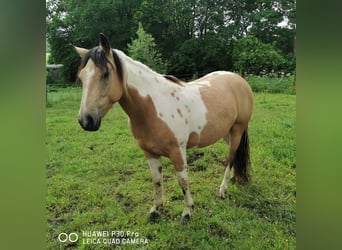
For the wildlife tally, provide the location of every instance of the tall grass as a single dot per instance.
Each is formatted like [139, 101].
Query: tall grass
[269, 84]
[101, 181]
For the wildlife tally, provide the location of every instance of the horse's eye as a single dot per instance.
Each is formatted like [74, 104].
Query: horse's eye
[105, 75]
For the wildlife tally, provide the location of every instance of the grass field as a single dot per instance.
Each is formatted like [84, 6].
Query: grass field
[101, 182]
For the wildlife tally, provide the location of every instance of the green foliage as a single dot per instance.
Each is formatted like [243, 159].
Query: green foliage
[143, 49]
[186, 59]
[269, 84]
[253, 56]
[101, 181]
[194, 37]
[290, 62]
[200, 56]
[71, 22]
[48, 78]
[61, 51]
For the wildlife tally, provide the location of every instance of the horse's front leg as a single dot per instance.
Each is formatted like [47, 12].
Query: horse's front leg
[157, 178]
[179, 161]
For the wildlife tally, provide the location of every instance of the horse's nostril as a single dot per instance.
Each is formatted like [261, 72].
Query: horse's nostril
[89, 123]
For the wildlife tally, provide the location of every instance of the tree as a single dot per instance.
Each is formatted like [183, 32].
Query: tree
[143, 49]
[253, 56]
[174, 22]
[194, 36]
[200, 56]
[58, 36]
[80, 22]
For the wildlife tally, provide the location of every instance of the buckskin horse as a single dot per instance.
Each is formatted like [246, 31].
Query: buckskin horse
[167, 115]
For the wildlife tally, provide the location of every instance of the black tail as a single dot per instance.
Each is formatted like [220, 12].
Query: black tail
[241, 162]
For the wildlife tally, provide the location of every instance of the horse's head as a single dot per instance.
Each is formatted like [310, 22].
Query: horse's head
[102, 85]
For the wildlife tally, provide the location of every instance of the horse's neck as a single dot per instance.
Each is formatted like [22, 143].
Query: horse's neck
[140, 77]
[141, 85]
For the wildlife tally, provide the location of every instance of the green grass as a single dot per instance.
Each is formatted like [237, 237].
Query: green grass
[266, 84]
[101, 181]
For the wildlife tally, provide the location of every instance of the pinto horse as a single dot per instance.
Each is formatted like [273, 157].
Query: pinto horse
[166, 115]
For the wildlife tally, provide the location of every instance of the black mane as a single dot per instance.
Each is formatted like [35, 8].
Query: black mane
[98, 55]
[174, 79]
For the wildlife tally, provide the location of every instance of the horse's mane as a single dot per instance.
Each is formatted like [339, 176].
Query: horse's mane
[98, 55]
[174, 79]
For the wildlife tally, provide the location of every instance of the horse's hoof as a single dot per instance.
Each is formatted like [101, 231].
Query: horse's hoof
[154, 216]
[185, 219]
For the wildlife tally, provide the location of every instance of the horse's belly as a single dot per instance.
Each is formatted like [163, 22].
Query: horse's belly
[215, 128]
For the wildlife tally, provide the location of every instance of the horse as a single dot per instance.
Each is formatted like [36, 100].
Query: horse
[166, 115]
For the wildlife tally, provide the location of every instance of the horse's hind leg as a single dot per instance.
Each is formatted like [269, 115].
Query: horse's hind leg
[226, 175]
[157, 178]
[233, 138]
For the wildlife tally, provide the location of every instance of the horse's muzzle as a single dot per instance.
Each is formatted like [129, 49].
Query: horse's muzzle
[90, 123]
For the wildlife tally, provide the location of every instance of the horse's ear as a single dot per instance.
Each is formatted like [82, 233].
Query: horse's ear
[82, 52]
[104, 43]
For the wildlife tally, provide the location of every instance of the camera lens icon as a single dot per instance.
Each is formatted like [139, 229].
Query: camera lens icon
[64, 237]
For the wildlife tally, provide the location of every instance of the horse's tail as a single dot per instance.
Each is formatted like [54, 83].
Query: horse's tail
[241, 162]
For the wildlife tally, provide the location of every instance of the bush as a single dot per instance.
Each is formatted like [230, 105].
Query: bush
[49, 79]
[252, 56]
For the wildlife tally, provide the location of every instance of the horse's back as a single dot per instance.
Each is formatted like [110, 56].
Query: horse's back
[227, 90]
[228, 81]
[228, 99]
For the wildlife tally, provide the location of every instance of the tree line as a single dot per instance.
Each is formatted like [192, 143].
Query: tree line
[191, 37]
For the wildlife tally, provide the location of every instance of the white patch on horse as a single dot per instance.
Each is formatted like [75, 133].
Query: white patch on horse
[204, 83]
[86, 82]
[181, 108]
[221, 73]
